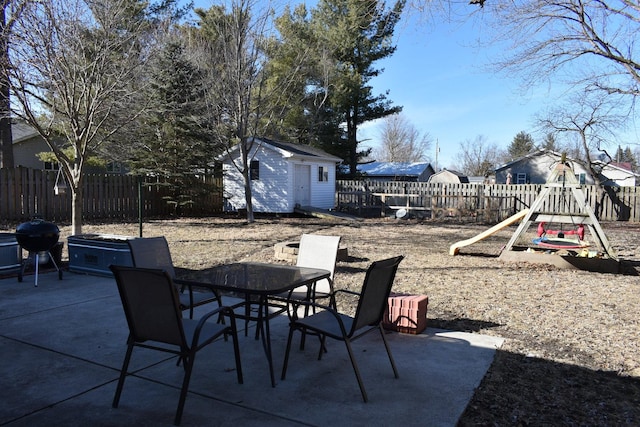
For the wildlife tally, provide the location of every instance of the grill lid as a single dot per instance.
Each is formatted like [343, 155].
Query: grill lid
[37, 235]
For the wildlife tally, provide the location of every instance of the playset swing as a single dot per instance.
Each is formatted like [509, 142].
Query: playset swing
[560, 238]
[555, 239]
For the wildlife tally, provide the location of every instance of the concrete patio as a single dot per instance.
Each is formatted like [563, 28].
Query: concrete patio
[62, 344]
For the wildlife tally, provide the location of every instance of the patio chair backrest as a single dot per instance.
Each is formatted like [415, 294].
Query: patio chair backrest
[152, 252]
[151, 306]
[318, 251]
[375, 293]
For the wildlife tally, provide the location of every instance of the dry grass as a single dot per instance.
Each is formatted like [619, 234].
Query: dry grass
[572, 349]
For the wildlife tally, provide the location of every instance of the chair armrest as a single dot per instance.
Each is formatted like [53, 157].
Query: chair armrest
[351, 295]
[313, 304]
[190, 284]
[227, 311]
[185, 283]
[331, 310]
[345, 291]
[331, 296]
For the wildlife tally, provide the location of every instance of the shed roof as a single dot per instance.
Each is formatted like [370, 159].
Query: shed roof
[461, 177]
[289, 149]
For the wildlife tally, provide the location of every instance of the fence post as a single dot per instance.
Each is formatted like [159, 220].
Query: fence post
[140, 203]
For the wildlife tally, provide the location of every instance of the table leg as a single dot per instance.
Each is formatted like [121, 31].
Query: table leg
[263, 319]
[247, 313]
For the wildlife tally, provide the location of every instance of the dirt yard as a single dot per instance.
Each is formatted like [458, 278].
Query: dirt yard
[572, 349]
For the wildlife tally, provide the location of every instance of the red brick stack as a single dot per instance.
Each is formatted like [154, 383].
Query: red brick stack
[406, 313]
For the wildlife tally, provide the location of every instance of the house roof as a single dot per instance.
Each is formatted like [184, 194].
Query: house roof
[393, 168]
[20, 131]
[622, 165]
[538, 153]
[618, 167]
[528, 156]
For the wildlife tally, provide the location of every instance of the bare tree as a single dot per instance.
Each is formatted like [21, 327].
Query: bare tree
[478, 157]
[400, 141]
[589, 43]
[243, 102]
[591, 120]
[236, 37]
[74, 66]
[592, 43]
[581, 43]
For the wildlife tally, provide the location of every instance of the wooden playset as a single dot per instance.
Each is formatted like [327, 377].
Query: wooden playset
[563, 218]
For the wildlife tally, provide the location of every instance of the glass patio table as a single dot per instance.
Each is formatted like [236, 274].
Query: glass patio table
[258, 281]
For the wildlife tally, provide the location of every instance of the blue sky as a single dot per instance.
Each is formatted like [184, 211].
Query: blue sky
[443, 84]
[446, 89]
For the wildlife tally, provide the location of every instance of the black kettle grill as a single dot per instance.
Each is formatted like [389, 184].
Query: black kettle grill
[37, 236]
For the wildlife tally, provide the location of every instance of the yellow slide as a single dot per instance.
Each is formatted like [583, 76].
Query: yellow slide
[455, 248]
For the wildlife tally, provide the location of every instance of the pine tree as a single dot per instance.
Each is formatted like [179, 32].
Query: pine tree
[550, 142]
[177, 139]
[521, 145]
[344, 39]
[359, 33]
[629, 157]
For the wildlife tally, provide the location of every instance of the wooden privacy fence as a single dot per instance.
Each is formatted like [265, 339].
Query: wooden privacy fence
[27, 193]
[488, 202]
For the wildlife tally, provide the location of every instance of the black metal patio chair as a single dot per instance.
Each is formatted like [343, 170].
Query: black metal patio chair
[368, 317]
[151, 306]
[153, 252]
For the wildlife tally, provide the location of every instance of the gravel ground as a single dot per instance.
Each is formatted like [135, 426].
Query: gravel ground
[571, 355]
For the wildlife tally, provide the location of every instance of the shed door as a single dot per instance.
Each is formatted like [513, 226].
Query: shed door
[302, 185]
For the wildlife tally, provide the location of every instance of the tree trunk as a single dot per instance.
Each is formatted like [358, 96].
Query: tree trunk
[6, 136]
[6, 140]
[246, 175]
[76, 203]
[352, 143]
[248, 196]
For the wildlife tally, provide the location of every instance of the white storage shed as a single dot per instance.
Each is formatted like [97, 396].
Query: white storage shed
[283, 176]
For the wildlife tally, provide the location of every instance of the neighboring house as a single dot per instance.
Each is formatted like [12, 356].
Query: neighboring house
[397, 171]
[619, 174]
[449, 176]
[535, 167]
[27, 143]
[283, 176]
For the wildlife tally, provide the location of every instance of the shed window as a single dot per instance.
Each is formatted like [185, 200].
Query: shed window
[323, 174]
[521, 178]
[582, 178]
[254, 170]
